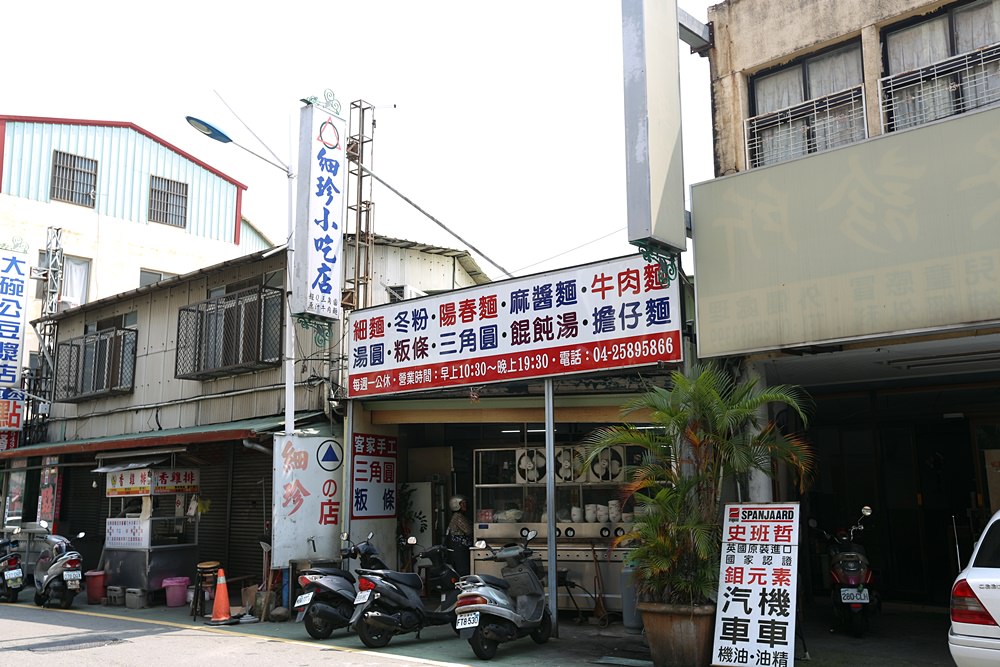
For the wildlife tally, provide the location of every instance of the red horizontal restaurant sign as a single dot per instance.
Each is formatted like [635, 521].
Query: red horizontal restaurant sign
[614, 314]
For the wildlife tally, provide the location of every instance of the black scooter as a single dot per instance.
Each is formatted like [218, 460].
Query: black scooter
[12, 579]
[327, 601]
[388, 602]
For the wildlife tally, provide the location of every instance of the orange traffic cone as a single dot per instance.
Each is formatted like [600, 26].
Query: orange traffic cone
[221, 614]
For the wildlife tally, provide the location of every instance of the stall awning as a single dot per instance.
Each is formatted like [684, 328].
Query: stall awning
[130, 465]
[247, 428]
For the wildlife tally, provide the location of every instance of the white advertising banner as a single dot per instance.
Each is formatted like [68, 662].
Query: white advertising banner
[758, 582]
[14, 268]
[612, 314]
[306, 508]
[373, 478]
[127, 533]
[317, 271]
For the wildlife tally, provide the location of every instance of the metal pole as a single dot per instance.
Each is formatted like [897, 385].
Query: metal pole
[550, 505]
[290, 324]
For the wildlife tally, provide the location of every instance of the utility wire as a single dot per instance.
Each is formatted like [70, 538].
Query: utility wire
[584, 245]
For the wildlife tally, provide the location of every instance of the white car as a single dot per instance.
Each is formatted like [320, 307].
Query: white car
[974, 638]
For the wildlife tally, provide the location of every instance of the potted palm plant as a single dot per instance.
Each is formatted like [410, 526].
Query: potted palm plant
[709, 433]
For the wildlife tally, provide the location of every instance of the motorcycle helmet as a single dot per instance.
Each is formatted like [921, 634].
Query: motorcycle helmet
[455, 503]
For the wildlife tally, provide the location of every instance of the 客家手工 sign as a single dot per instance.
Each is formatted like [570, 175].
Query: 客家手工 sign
[755, 612]
[612, 314]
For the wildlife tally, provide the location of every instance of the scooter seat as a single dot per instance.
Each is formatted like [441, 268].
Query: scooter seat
[330, 572]
[489, 580]
[405, 578]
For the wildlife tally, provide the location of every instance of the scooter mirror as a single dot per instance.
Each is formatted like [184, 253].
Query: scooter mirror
[372, 534]
[411, 540]
[81, 535]
[813, 523]
[866, 511]
[17, 530]
[480, 544]
[343, 537]
[530, 535]
[44, 524]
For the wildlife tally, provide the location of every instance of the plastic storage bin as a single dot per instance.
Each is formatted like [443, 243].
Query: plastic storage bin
[95, 586]
[176, 588]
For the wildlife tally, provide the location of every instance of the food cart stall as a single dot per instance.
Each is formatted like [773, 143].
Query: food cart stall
[509, 487]
[152, 526]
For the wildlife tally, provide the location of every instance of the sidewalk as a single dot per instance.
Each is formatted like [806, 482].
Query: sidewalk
[900, 636]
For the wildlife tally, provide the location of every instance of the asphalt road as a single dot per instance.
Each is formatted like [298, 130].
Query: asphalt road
[32, 636]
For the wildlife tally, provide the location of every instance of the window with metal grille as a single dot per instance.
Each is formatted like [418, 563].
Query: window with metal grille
[941, 65]
[74, 179]
[812, 105]
[230, 334]
[95, 365]
[168, 201]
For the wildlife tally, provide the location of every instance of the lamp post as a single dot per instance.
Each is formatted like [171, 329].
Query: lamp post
[215, 133]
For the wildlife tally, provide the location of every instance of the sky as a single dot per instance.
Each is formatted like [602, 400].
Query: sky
[503, 120]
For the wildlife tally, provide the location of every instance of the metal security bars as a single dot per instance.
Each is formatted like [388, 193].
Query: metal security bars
[810, 127]
[95, 365]
[74, 179]
[231, 334]
[168, 201]
[945, 88]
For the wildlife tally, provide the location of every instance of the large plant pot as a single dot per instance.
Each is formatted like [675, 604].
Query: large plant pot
[679, 635]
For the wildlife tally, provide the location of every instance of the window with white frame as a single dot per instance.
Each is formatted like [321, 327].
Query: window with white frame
[942, 65]
[168, 201]
[74, 179]
[148, 276]
[811, 105]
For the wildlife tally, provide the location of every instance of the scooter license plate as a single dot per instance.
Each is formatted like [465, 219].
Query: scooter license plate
[854, 596]
[13, 574]
[70, 575]
[73, 584]
[362, 597]
[470, 620]
[303, 600]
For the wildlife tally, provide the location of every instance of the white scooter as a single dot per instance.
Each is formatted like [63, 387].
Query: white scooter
[58, 571]
[492, 610]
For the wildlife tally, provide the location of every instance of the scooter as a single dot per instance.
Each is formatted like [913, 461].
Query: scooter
[58, 571]
[852, 596]
[492, 610]
[12, 580]
[327, 601]
[388, 602]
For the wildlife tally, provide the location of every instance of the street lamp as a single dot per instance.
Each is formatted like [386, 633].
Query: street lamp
[215, 133]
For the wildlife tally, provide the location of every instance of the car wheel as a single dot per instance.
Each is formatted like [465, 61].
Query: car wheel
[484, 648]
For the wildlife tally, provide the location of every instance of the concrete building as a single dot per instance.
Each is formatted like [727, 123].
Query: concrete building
[187, 373]
[132, 208]
[850, 244]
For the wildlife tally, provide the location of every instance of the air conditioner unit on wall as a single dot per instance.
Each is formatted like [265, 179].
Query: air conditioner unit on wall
[403, 292]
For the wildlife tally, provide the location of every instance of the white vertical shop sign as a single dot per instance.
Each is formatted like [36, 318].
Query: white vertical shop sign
[307, 498]
[318, 269]
[758, 582]
[373, 477]
[14, 268]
